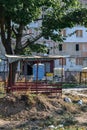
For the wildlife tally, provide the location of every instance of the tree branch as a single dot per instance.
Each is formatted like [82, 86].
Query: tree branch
[19, 36]
[2, 25]
[3, 38]
[30, 41]
[14, 30]
[9, 30]
[36, 38]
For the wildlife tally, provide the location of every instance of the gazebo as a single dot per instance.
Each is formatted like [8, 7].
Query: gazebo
[37, 86]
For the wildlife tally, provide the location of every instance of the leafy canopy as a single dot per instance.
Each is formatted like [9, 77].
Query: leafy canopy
[52, 15]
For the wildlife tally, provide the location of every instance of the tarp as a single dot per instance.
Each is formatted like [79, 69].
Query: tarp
[12, 58]
[84, 69]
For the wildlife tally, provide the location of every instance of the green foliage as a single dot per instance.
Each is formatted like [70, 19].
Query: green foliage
[57, 15]
[69, 85]
[69, 120]
[50, 120]
[55, 18]
[21, 11]
[39, 48]
[80, 17]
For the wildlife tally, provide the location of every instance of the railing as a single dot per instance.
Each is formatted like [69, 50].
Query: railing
[37, 87]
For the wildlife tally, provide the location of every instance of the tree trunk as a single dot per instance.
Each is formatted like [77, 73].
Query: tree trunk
[12, 75]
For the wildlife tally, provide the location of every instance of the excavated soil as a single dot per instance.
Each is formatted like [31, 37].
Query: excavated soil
[37, 112]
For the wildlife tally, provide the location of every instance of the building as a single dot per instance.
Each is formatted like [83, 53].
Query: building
[83, 1]
[75, 46]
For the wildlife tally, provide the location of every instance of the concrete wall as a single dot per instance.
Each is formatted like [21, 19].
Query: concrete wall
[73, 38]
[2, 50]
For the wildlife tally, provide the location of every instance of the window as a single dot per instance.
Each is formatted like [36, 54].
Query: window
[85, 62]
[79, 61]
[48, 51]
[77, 47]
[62, 62]
[60, 47]
[79, 33]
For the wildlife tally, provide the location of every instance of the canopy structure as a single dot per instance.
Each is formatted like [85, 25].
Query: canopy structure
[12, 58]
[36, 85]
[84, 69]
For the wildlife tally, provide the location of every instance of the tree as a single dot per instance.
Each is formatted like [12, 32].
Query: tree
[16, 15]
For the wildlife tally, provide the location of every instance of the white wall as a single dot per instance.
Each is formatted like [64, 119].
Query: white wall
[70, 65]
[2, 49]
[73, 38]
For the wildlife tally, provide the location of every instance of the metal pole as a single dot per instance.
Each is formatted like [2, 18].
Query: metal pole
[62, 71]
[36, 77]
[11, 77]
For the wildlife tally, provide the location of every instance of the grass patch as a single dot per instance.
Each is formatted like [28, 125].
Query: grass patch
[2, 90]
[69, 85]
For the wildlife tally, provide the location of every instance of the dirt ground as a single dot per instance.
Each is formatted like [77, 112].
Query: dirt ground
[38, 112]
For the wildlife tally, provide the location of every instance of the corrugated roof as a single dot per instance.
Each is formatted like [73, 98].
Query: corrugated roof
[13, 58]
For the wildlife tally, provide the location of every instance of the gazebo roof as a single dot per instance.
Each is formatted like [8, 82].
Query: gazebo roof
[12, 58]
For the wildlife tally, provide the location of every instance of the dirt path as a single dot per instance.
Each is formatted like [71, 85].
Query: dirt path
[82, 118]
[76, 91]
[3, 122]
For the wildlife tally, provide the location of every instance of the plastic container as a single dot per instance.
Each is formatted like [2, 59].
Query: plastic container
[58, 72]
[38, 73]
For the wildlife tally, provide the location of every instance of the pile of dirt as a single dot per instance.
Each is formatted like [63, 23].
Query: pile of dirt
[11, 105]
[36, 112]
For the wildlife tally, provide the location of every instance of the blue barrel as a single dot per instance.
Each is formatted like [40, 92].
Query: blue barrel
[40, 70]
